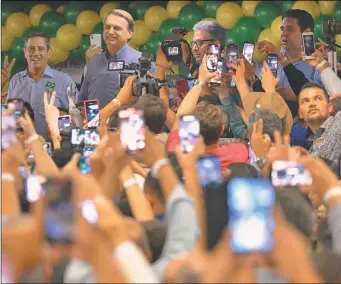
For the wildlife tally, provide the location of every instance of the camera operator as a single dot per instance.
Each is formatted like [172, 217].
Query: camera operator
[100, 83]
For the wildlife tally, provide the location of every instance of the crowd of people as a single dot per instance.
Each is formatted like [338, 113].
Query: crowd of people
[256, 198]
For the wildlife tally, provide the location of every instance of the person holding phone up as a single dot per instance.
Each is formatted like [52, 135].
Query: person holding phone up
[30, 84]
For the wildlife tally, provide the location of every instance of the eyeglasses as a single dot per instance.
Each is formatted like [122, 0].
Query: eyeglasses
[199, 42]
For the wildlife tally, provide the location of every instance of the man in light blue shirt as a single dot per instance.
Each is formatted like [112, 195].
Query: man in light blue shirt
[30, 84]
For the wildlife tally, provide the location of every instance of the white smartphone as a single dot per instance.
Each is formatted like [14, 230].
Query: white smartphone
[96, 39]
[308, 44]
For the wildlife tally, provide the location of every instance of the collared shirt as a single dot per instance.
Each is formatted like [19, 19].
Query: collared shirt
[101, 84]
[24, 87]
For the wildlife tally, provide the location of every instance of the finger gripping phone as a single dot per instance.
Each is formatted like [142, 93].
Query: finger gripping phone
[272, 61]
[189, 132]
[308, 44]
[91, 108]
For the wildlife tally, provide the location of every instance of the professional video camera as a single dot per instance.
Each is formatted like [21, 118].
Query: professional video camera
[172, 47]
[331, 28]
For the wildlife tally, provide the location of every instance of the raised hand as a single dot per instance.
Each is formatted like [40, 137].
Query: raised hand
[318, 55]
[51, 113]
[280, 149]
[267, 47]
[239, 74]
[269, 82]
[204, 74]
[91, 52]
[260, 143]
[6, 71]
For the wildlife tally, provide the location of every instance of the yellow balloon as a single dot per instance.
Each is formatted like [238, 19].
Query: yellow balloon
[258, 56]
[200, 3]
[17, 23]
[86, 21]
[107, 7]
[304, 5]
[6, 39]
[189, 36]
[154, 17]
[141, 33]
[174, 7]
[267, 35]
[316, 9]
[228, 14]
[276, 27]
[60, 9]
[68, 37]
[136, 47]
[58, 54]
[327, 7]
[37, 11]
[249, 7]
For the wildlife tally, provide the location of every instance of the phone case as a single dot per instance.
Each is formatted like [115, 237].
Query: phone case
[96, 39]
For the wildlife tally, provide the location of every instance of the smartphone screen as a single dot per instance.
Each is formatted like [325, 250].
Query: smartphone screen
[116, 65]
[189, 131]
[48, 147]
[64, 121]
[216, 81]
[290, 173]
[8, 129]
[308, 44]
[212, 57]
[19, 107]
[96, 39]
[59, 216]
[88, 151]
[248, 49]
[132, 130]
[250, 205]
[232, 54]
[272, 61]
[89, 211]
[77, 136]
[91, 137]
[34, 188]
[209, 171]
[84, 165]
[91, 110]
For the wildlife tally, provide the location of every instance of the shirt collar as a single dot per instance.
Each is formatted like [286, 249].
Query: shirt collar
[48, 72]
[119, 54]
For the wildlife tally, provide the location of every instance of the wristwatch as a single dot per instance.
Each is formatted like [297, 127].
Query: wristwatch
[198, 83]
[161, 83]
[261, 163]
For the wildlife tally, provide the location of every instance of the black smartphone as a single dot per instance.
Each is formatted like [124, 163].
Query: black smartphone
[216, 82]
[212, 57]
[308, 44]
[248, 49]
[189, 132]
[272, 61]
[64, 121]
[209, 172]
[91, 108]
[231, 53]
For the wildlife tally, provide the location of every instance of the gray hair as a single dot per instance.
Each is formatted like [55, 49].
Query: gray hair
[216, 31]
[271, 122]
[123, 14]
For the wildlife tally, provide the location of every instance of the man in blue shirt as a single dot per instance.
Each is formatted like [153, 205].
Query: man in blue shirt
[30, 84]
[99, 82]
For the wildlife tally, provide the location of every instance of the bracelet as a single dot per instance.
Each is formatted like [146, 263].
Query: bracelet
[199, 83]
[31, 139]
[129, 182]
[157, 166]
[334, 191]
[321, 64]
[7, 177]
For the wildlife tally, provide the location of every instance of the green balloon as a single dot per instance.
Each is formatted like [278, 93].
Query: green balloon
[191, 14]
[143, 48]
[18, 49]
[30, 30]
[84, 44]
[231, 37]
[77, 55]
[50, 22]
[141, 8]
[247, 29]
[318, 33]
[72, 10]
[265, 13]
[7, 8]
[210, 8]
[94, 5]
[337, 12]
[286, 5]
[153, 43]
[167, 26]
[3, 54]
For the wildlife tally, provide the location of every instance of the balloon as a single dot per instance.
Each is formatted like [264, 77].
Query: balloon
[327, 7]
[84, 45]
[18, 49]
[58, 54]
[36, 13]
[265, 13]
[50, 22]
[303, 5]
[276, 27]
[267, 35]
[231, 37]
[318, 32]
[190, 15]
[316, 9]
[26, 6]
[107, 7]
[7, 8]
[154, 17]
[210, 8]
[174, 7]
[143, 48]
[286, 5]
[167, 26]
[17, 24]
[141, 33]
[72, 10]
[249, 7]
[247, 29]
[153, 43]
[200, 3]
[95, 6]
[258, 56]
[337, 12]
[189, 36]
[77, 55]
[86, 21]
[141, 9]
[68, 37]
[6, 39]
[30, 31]
[60, 9]
[228, 14]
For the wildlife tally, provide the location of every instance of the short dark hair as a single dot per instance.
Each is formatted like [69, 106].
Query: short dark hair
[336, 102]
[314, 85]
[154, 185]
[154, 111]
[39, 34]
[271, 122]
[304, 19]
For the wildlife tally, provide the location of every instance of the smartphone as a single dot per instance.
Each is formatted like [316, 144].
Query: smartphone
[182, 88]
[3, 107]
[88, 151]
[18, 106]
[308, 44]
[272, 61]
[64, 121]
[84, 165]
[189, 132]
[77, 136]
[216, 81]
[91, 137]
[48, 147]
[96, 39]
[34, 188]
[290, 173]
[231, 53]
[209, 172]
[212, 57]
[132, 130]
[91, 108]
[248, 49]
[59, 213]
[8, 129]
[251, 222]
[89, 211]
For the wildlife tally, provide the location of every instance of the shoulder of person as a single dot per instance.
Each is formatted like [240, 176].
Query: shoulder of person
[235, 146]
[131, 52]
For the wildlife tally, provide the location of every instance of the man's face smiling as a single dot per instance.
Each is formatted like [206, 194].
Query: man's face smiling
[36, 53]
[116, 30]
[200, 48]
